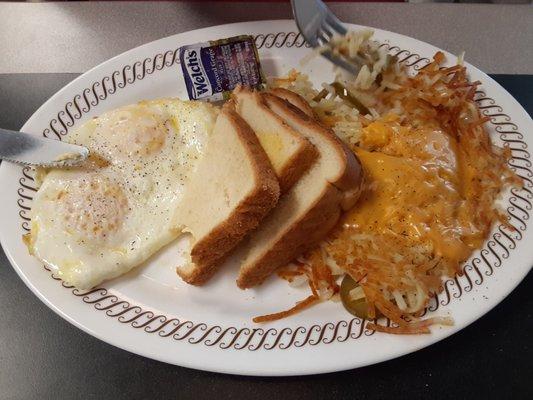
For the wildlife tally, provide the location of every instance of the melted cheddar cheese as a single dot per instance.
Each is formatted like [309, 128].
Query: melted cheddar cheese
[413, 188]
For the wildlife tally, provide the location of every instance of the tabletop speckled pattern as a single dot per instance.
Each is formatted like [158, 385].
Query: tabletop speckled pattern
[73, 37]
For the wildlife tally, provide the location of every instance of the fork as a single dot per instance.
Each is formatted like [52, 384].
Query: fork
[318, 25]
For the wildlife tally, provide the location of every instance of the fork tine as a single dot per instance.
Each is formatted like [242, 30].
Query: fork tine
[319, 25]
[321, 41]
[322, 38]
[341, 62]
[326, 29]
[335, 24]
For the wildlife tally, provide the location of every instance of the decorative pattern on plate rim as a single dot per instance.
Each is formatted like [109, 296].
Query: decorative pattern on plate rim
[475, 272]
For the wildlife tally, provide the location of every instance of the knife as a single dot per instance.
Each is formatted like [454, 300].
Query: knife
[26, 149]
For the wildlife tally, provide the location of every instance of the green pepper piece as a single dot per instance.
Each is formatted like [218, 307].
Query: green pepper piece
[359, 307]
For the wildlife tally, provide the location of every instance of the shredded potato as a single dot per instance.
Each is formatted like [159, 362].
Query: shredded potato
[309, 301]
[435, 232]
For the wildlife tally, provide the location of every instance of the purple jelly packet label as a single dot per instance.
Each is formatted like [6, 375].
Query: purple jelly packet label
[213, 69]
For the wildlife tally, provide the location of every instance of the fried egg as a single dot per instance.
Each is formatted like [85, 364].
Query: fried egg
[98, 221]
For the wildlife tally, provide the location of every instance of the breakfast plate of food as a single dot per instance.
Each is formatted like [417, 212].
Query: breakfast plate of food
[246, 208]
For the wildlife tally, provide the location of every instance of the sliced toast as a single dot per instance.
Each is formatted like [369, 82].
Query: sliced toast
[291, 154]
[311, 208]
[232, 190]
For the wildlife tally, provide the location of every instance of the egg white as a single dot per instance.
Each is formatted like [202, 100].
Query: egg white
[100, 220]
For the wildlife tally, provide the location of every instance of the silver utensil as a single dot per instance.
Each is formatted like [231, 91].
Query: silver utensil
[318, 25]
[26, 149]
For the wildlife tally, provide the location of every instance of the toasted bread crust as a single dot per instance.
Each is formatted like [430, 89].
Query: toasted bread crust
[351, 178]
[300, 161]
[301, 236]
[208, 253]
[296, 100]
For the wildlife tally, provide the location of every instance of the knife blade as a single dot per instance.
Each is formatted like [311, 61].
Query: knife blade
[33, 150]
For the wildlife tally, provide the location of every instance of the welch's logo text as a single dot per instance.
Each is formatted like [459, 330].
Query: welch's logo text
[195, 70]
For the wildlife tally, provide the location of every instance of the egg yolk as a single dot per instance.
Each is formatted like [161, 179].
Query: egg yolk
[130, 132]
[95, 207]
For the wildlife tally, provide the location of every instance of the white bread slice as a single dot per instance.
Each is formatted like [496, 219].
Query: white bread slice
[291, 154]
[306, 214]
[232, 190]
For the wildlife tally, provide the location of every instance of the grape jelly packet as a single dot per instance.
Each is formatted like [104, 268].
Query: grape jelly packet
[213, 69]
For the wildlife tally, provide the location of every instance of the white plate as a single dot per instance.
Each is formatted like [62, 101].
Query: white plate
[153, 313]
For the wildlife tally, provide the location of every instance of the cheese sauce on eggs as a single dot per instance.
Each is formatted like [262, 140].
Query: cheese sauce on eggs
[98, 221]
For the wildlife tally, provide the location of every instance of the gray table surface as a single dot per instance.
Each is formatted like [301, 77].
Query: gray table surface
[44, 357]
[73, 37]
